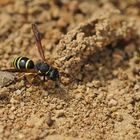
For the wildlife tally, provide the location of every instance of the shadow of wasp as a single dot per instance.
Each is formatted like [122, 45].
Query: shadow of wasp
[26, 65]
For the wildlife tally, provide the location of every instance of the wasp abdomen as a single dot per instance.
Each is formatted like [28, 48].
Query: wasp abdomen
[23, 63]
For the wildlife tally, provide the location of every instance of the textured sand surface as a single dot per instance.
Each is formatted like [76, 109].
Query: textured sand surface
[96, 47]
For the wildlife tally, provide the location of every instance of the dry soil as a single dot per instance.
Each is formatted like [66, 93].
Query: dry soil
[95, 45]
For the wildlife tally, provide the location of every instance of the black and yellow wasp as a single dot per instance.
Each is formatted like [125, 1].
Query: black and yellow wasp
[26, 65]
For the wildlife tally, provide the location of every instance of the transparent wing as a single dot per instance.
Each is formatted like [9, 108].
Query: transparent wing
[38, 41]
[20, 71]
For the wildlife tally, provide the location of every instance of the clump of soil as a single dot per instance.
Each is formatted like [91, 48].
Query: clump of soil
[95, 45]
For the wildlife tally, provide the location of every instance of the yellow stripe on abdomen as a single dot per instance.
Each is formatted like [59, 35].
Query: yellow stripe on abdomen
[18, 63]
[26, 65]
[14, 62]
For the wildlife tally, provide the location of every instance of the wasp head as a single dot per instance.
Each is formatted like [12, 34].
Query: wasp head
[54, 74]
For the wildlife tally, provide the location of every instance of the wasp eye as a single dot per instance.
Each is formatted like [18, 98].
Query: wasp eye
[54, 74]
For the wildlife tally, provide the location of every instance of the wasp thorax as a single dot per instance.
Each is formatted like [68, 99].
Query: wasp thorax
[42, 68]
[45, 70]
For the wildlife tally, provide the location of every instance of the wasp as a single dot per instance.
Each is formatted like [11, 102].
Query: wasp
[26, 65]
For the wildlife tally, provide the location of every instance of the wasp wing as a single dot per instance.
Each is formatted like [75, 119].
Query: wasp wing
[20, 71]
[38, 41]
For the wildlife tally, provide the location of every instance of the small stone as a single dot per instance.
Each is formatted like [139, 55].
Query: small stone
[96, 84]
[79, 96]
[79, 76]
[35, 121]
[11, 116]
[112, 102]
[80, 36]
[18, 91]
[1, 129]
[60, 113]
[89, 84]
[137, 87]
[137, 96]
[6, 78]
[60, 106]
[20, 136]
[136, 71]
[49, 119]
[13, 108]
[13, 100]
[129, 49]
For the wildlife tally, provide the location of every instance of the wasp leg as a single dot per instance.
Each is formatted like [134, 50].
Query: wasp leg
[23, 77]
[26, 82]
[44, 79]
[29, 79]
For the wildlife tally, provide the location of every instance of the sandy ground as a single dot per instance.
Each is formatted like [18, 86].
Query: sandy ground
[95, 45]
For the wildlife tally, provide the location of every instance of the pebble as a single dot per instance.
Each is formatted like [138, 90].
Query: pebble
[112, 102]
[60, 113]
[18, 91]
[136, 71]
[137, 96]
[35, 121]
[60, 106]
[11, 116]
[80, 36]
[20, 136]
[6, 78]
[137, 87]
[89, 84]
[79, 96]
[96, 84]
[49, 120]
[12, 100]
[1, 129]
